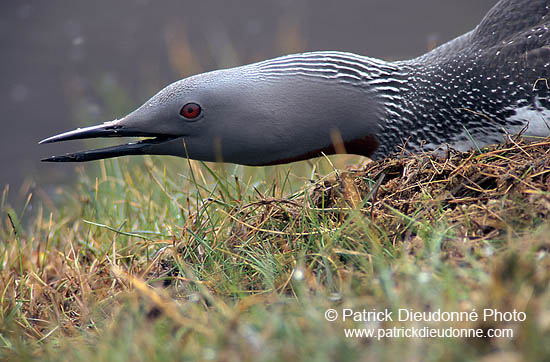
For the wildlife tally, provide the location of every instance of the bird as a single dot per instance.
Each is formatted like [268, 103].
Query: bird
[470, 92]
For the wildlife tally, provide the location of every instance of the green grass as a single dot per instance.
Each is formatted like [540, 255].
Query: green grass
[162, 260]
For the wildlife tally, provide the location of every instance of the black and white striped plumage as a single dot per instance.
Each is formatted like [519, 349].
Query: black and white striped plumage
[474, 89]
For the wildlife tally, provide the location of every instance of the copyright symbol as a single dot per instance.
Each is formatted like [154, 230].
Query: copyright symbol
[331, 315]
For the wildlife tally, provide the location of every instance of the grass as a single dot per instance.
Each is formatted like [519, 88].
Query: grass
[157, 259]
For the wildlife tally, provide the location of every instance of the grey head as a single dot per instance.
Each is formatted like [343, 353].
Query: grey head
[473, 90]
[278, 111]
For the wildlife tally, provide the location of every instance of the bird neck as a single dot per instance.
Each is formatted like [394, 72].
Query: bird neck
[329, 93]
[453, 95]
[397, 96]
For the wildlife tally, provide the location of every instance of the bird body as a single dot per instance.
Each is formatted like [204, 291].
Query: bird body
[467, 93]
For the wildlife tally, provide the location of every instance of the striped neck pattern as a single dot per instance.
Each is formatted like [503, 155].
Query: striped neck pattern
[461, 100]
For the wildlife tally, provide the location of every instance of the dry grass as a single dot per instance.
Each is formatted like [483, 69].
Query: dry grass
[148, 265]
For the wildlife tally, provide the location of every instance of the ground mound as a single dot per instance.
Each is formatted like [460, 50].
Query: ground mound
[485, 194]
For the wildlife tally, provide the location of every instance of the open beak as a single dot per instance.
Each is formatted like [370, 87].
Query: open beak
[107, 129]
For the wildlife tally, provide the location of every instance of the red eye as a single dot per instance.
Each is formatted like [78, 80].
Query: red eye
[190, 110]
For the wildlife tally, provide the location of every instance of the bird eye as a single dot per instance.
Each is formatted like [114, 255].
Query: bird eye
[190, 110]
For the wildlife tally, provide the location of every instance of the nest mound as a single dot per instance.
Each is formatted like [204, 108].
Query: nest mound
[505, 188]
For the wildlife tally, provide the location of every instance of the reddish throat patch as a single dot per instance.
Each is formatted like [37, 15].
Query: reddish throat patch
[364, 146]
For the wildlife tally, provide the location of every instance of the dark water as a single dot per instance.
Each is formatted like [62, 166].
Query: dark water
[73, 63]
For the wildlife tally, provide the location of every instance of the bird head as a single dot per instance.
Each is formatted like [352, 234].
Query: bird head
[256, 114]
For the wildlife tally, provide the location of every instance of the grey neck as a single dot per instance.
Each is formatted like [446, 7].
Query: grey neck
[461, 99]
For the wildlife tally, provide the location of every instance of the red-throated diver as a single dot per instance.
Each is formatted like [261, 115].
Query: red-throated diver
[470, 91]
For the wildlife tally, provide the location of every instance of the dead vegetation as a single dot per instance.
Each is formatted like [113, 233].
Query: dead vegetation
[483, 195]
